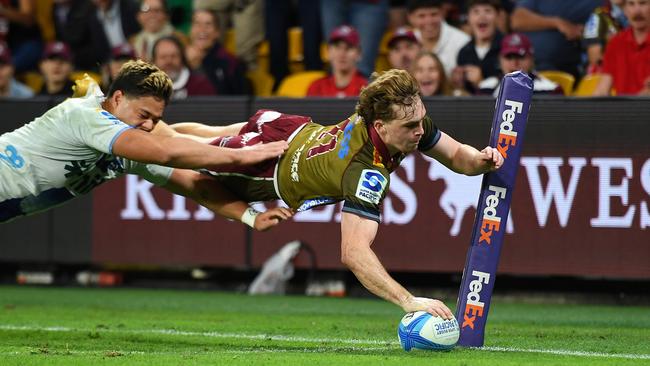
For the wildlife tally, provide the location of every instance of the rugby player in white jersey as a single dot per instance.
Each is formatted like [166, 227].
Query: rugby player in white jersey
[83, 142]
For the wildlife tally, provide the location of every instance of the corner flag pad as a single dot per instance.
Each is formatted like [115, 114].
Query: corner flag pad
[508, 127]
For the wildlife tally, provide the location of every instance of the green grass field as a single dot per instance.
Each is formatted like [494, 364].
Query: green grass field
[73, 326]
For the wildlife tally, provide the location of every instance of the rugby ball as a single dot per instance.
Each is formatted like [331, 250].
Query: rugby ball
[421, 330]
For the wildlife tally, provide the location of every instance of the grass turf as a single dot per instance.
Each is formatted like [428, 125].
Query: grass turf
[74, 326]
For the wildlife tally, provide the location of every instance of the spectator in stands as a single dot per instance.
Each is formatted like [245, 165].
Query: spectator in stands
[10, 87]
[277, 16]
[555, 28]
[119, 56]
[247, 20]
[154, 20]
[345, 79]
[93, 28]
[168, 55]
[427, 17]
[626, 65]
[56, 69]
[602, 25]
[205, 52]
[19, 29]
[403, 47]
[479, 59]
[368, 17]
[430, 74]
[517, 54]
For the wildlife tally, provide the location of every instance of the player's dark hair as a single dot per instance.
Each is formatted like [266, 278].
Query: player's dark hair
[392, 87]
[413, 5]
[496, 4]
[140, 79]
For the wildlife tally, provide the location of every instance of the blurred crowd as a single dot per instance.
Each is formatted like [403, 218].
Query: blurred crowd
[328, 48]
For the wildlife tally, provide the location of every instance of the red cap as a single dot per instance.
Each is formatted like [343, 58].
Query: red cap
[57, 50]
[346, 34]
[5, 53]
[123, 51]
[517, 44]
[402, 33]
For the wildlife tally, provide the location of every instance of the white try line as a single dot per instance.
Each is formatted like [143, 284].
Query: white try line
[281, 338]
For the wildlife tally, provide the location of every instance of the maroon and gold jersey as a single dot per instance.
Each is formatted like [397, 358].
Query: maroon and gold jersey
[323, 165]
[348, 161]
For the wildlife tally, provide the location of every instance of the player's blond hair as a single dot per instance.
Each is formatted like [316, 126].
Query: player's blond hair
[392, 87]
[138, 78]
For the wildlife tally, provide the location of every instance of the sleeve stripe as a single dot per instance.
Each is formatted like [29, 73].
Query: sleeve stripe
[369, 215]
[110, 145]
[434, 140]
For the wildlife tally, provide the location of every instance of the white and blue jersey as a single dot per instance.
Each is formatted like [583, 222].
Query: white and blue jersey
[63, 154]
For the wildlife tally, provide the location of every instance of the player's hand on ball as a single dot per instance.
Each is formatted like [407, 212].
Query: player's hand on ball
[431, 306]
[492, 158]
[260, 152]
[271, 218]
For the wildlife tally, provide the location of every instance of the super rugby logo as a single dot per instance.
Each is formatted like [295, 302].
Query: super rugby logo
[371, 186]
[507, 134]
[491, 221]
[474, 306]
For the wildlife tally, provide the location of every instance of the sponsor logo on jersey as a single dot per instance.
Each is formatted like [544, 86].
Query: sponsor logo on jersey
[311, 203]
[371, 186]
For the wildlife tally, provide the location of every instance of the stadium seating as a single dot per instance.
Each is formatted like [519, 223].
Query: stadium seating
[262, 82]
[296, 85]
[587, 85]
[564, 79]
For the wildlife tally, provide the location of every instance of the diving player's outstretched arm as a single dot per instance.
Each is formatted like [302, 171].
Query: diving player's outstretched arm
[209, 193]
[196, 131]
[183, 153]
[465, 159]
[357, 235]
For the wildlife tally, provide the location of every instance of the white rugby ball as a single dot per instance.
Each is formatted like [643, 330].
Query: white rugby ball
[421, 330]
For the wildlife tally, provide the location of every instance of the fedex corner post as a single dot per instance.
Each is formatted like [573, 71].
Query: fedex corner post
[508, 127]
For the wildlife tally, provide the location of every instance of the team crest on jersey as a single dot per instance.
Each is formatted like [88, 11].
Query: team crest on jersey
[371, 186]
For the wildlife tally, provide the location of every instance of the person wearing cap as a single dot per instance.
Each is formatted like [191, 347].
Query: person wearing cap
[9, 86]
[403, 47]
[154, 20]
[427, 17]
[345, 80]
[85, 141]
[56, 69]
[517, 54]
[169, 56]
[119, 56]
[479, 58]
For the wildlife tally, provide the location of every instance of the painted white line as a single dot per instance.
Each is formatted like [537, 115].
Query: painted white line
[281, 338]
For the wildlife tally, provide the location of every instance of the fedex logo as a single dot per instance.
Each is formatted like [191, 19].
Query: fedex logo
[491, 222]
[474, 306]
[507, 135]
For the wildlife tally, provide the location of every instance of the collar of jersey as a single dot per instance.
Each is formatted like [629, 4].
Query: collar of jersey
[386, 158]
